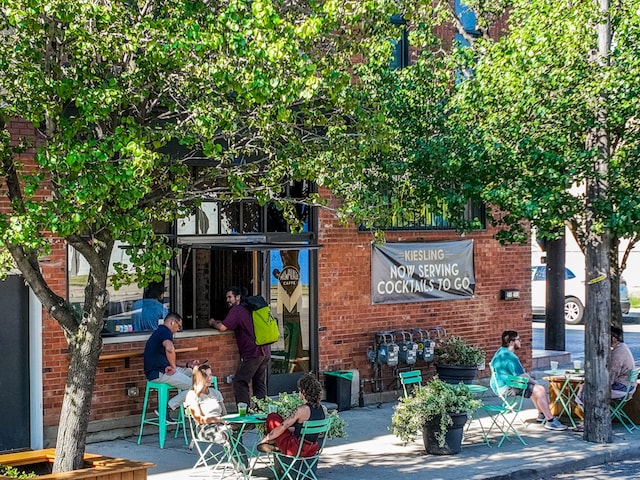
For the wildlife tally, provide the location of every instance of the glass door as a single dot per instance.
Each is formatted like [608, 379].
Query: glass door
[289, 295]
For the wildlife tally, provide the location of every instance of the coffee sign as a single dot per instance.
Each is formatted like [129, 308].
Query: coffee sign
[289, 278]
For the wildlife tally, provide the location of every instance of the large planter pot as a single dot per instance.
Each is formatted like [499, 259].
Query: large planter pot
[96, 466]
[456, 373]
[453, 437]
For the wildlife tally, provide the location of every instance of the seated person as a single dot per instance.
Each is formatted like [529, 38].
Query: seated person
[150, 309]
[505, 363]
[620, 365]
[160, 366]
[284, 434]
[206, 406]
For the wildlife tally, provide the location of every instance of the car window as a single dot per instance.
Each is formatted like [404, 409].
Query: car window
[568, 274]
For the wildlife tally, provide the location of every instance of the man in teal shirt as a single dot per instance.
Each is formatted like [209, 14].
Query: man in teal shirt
[506, 363]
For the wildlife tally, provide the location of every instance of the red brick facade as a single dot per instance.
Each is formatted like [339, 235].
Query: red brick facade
[347, 320]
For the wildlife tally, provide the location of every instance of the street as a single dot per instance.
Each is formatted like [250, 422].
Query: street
[626, 470]
[574, 339]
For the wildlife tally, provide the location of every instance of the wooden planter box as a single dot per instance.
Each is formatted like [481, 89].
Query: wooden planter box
[97, 466]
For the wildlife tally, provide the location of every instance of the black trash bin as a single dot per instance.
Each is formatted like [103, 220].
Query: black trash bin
[338, 387]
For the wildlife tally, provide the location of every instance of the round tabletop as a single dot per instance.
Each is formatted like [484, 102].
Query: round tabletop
[249, 418]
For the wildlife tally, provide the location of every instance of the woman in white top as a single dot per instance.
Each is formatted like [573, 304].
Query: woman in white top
[206, 406]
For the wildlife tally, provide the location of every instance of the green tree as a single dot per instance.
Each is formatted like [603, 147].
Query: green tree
[127, 96]
[551, 119]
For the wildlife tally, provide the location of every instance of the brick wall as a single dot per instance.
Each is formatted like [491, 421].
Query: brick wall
[348, 321]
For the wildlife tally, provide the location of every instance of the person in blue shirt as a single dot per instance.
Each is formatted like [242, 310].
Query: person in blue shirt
[160, 365]
[148, 310]
[505, 363]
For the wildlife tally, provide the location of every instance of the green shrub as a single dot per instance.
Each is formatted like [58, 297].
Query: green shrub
[428, 402]
[13, 472]
[456, 351]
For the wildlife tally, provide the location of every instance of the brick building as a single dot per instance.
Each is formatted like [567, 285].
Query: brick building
[319, 286]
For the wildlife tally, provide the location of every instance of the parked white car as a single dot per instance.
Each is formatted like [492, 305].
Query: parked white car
[574, 294]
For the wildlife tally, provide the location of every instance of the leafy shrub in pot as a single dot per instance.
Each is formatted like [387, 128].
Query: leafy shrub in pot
[457, 352]
[436, 399]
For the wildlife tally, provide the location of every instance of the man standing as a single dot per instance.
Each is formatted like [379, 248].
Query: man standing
[620, 365]
[504, 363]
[160, 361]
[254, 359]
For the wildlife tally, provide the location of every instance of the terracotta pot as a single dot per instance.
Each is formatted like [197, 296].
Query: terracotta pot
[41, 461]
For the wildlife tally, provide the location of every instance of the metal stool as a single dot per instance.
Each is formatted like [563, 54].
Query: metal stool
[161, 421]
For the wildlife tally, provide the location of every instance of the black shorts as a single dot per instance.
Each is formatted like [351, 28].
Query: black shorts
[514, 392]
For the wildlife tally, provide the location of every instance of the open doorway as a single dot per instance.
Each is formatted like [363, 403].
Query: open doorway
[207, 273]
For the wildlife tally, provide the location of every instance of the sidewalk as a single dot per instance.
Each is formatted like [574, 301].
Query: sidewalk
[371, 452]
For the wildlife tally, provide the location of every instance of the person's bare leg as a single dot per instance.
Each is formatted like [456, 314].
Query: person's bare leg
[539, 399]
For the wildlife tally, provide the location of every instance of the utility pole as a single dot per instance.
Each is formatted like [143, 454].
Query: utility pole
[598, 241]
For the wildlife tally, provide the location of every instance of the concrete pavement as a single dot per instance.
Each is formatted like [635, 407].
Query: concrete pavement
[371, 452]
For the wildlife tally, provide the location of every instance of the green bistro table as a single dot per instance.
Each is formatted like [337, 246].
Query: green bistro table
[243, 460]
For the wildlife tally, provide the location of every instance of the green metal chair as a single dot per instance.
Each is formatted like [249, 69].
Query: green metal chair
[478, 391]
[504, 416]
[297, 467]
[617, 405]
[161, 421]
[412, 377]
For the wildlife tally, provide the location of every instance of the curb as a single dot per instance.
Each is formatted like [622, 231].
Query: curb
[586, 460]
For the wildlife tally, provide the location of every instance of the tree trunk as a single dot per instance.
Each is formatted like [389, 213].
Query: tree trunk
[554, 334]
[84, 350]
[85, 344]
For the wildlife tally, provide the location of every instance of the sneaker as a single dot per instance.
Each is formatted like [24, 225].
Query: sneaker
[554, 424]
[170, 420]
[541, 418]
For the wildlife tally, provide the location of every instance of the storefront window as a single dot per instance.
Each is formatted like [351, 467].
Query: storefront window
[129, 308]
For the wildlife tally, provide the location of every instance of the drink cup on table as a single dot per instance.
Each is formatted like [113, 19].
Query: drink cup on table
[577, 365]
[554, 366]
[242, 409]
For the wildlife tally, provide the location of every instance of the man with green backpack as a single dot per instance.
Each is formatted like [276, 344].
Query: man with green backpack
[254, 359]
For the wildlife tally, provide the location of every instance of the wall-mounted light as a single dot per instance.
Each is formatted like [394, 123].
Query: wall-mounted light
[509, 294]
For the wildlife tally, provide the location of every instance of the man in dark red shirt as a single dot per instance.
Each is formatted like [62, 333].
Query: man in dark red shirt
[254, 359]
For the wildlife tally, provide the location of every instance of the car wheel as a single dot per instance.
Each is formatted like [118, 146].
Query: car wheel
[573, 311]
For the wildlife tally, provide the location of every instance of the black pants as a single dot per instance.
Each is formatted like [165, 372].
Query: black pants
[251, 371]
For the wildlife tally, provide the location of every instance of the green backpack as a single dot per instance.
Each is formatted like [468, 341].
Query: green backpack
[265, 325]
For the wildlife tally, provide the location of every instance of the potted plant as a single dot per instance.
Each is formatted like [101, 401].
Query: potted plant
[439, 410]
[457, 361]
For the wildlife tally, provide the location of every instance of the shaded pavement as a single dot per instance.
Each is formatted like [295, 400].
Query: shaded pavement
[372, 452]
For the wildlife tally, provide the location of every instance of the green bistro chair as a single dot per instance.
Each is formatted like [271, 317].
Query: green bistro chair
[618, 404]
[505, 415]
[297, 467]
[412, 377]
[478, 391]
